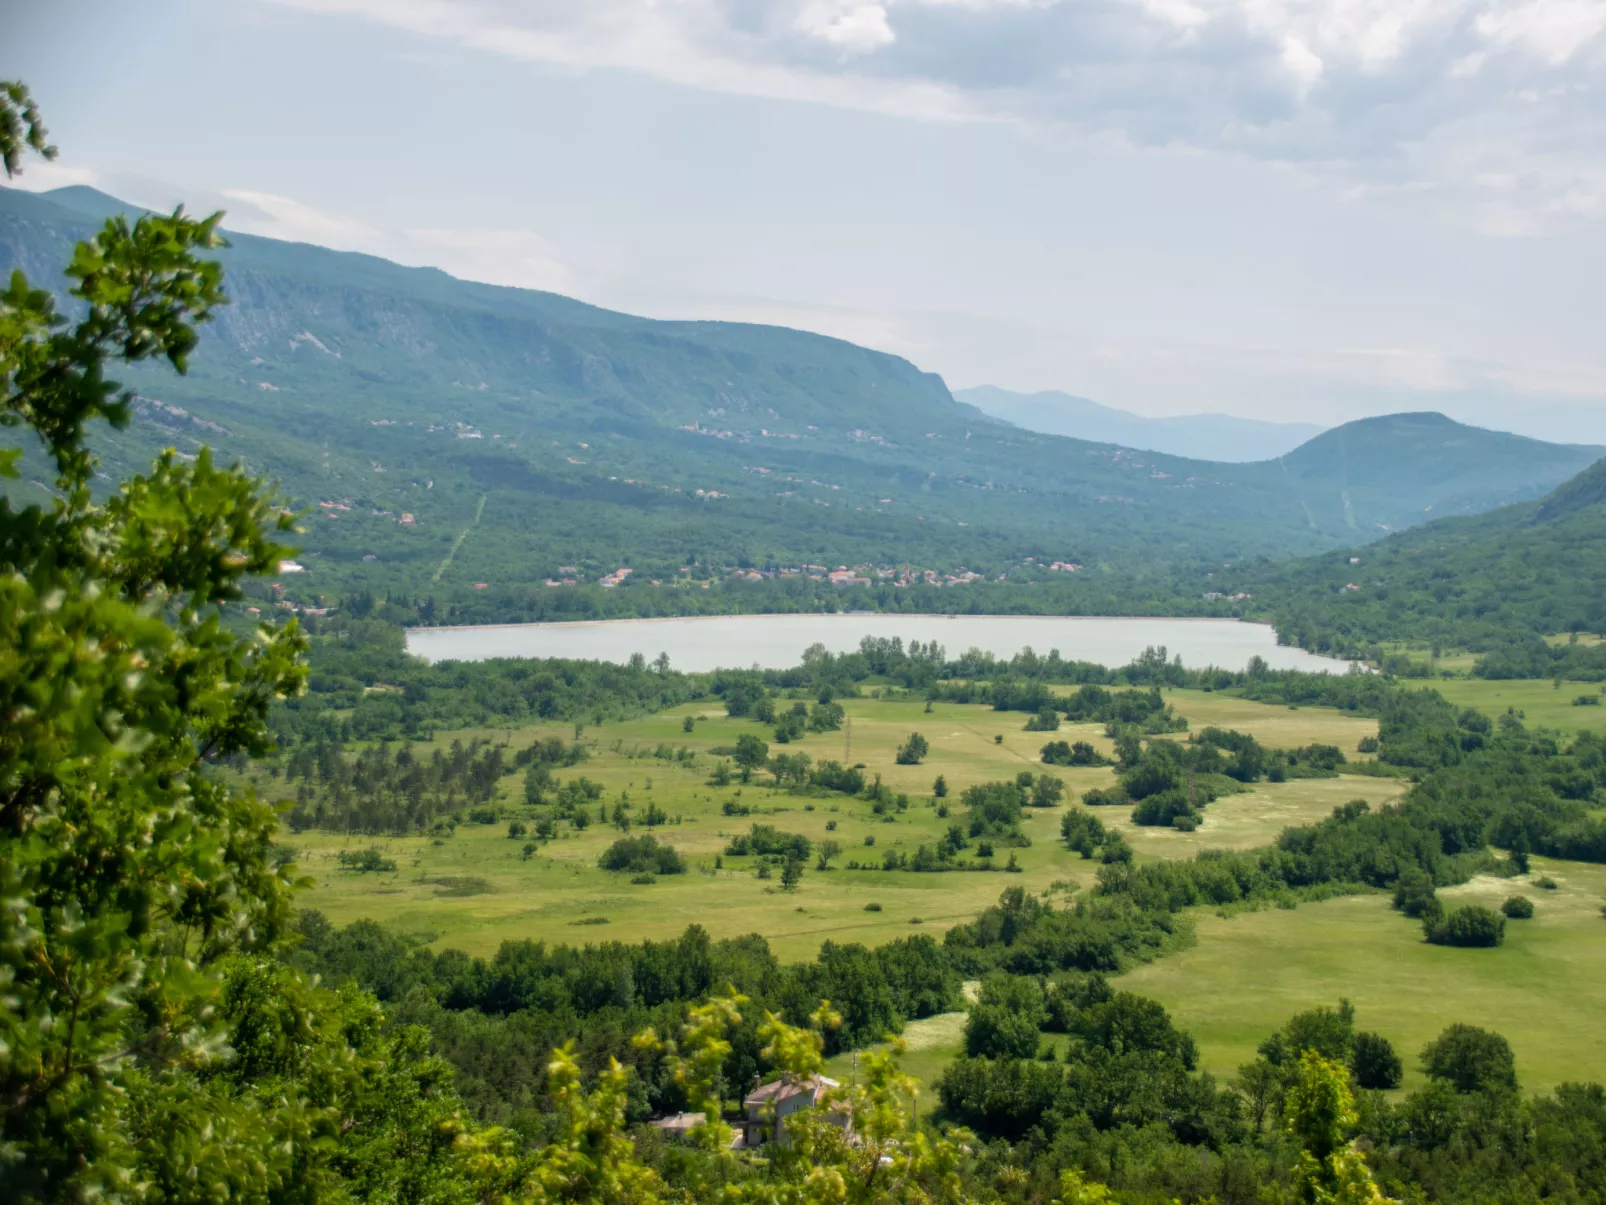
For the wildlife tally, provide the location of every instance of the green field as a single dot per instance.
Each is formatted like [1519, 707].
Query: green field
[476, 889]
[1541, 702]
[1541, 989]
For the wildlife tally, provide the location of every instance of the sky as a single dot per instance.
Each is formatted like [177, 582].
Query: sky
[1307, 210]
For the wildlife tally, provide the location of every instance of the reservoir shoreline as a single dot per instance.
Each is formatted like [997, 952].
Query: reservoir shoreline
[700, 643]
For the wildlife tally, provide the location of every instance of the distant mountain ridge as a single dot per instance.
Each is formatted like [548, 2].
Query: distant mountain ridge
[448, 436]
[1221, 437]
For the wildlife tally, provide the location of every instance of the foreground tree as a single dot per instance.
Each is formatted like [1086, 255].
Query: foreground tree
[128, 873]
[152, 1047]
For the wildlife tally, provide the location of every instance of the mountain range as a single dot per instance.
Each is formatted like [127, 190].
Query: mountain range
[447, 436]
[1221, 437]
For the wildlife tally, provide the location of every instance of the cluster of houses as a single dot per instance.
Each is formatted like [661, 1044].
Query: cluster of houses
[768, 1106]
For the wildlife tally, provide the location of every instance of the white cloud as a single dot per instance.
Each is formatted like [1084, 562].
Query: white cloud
[1377, 95]
[286, 218]
[855, 28]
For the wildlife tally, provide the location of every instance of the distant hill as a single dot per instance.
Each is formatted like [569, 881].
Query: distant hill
[1493, 583]
[1200, 436]
[466, 442]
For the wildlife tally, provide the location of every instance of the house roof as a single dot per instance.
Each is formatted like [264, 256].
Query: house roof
[679, 1122]
[814, 1086]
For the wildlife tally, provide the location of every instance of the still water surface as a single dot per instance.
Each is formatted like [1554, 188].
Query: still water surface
[777, 641]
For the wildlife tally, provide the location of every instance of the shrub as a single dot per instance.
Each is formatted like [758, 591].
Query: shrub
[1065, 753]
[1106, 797]
[1368, 745]
[1046, 720]
[1374, 1063]
[872, 907]
[642, 855]
[912, 751]
[1164, 809]
[1413, 891]
[768, 841]
[1518, 907]
[365, 861]
[1470, 1059]
[1545, 883]
[1472, 925]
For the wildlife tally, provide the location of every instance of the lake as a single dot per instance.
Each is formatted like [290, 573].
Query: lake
[777, 641]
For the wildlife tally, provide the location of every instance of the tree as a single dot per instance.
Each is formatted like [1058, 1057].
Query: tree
[829, 849]
[751, 754]
[792, 873]
[121, 685]
[939, 789]
[1047, 791]
[1318, 1112]
[537, 780]
[1373, 1062]
[1470, 1059]
[913, 751]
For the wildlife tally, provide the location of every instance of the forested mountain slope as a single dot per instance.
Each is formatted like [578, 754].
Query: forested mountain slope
[441, 434]
[1493, 583]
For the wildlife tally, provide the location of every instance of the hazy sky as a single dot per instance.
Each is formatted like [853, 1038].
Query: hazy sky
[1309, 209]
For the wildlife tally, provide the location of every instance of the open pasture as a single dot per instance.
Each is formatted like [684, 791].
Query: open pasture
[477, 888]
[1542, 703]
[1542, 989]
[1275, 726]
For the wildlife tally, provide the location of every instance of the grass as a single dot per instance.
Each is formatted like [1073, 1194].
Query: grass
[476, 889]
[1540, 701]
[1276, 727]
[560, 895]
[1247, 975]
[1243, 980]
[1247, 821]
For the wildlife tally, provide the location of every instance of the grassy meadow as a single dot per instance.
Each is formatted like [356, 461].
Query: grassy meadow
[1542, 703]
[1542, 989]
[1244, 978]
[477, 889]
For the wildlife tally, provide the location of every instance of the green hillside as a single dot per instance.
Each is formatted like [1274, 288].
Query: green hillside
[467, 443]
[1494, 584]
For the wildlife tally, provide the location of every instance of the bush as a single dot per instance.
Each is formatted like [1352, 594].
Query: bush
[1472, 925]
[365, 861]
[1374, 1063]
[1368, 745]
[1470, 1059]
[1064, 753]
[1413, 892]
[642, 855]
[913, 750]
[872, 907]
[1518, 907]
[1046, 720]
[1106, 797]
[1545, 884]
[1164, 809]
[768, 841]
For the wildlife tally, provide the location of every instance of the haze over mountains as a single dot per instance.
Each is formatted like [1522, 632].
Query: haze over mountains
[444, 432]
[1221, 437]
